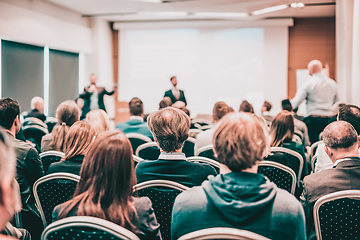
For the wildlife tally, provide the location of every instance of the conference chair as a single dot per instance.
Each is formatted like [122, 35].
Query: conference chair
[51, 122]
[222, 233]
[137, 139]
[188, 148]
[314, 147]
[52, 190]
[50, 157]
[34, 129]
[336, 215]
[201, 124]
[83, 227]
[194, 132]
[313, 163]
[207, 152]
[148, 151]
[283, 176]
[162, 194]
[137, 160]
[205, 160]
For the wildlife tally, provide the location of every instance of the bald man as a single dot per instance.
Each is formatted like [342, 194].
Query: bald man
[37, 109]
[320, 93]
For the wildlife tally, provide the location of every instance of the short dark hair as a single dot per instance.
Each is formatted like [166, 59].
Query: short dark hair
[165, 102]
[245, 106]
[339, 134]
[9, 110]
[351, 114]
[286, 105]
[172, 78]
[220, 110]
[136, 107]
[268, 105]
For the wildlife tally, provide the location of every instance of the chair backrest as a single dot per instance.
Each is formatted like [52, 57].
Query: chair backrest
[313, 163]
[201, 124]
[162, 194]
[314, 147]
[137, 159]
[207, 152]
[52, 190]
[336, 215]
[34, 128]
[222, 233]
[50, 157]
[189, 146]
[137, 139]
[211, 162]
[51, 122]
[283, 176]
[148, 151]
[194, 132]
[288, 158]
[83, 227]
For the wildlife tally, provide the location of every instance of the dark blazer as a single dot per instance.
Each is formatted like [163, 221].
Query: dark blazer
[36, 114]
[72, 165]
[345, 176]
[86, 95]
[172, 97]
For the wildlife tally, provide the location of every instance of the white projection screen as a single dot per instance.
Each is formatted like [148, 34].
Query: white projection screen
[210, 64]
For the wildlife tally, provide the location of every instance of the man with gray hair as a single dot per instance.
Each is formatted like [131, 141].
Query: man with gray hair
[37, 109]
[341, 145]
[170, 128]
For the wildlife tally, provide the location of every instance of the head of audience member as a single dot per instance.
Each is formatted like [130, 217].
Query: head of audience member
[79, 139]
[170, 128]
[99, 120]
[173, 81]
[37, 103]
[9, 115]
[265, 127]
[67, 113]
[351, 114]
[246, 107]
[80, 102]
[9, 192]
[266, 107]
[336, 107]
[314, 66]
[239, 143]
[282, 129]
[220, 109]
[136, 107]
[185, 110]
[93, 79]
[341, 140]
[165, 102]
[179, 104]
[107, 177]
[286, 105]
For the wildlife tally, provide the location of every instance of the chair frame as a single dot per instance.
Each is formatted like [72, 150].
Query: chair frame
[313, 162]
[313, 146]
[137, 158]
[203, 149]
[222, 233]
[284, 168]
[160, 183]
[67, 176]
[93, 222]
[295, 154]
[52, 153]
[206, 160]
[328, 198]
[145, 145]
[35, 121]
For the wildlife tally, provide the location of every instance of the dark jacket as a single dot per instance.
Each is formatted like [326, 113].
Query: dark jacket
[72, 165]
[245, 201]
[147, 225]
[135, 126]
[345, 176]
[36, 114]
[86, 95]
[172, 97]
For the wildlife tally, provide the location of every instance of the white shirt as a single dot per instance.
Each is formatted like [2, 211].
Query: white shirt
[94, 101]
[204, 139]
[175, 92]
[137, 118]
[320, 93]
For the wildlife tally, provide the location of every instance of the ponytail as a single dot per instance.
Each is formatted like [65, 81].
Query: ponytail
[58, 137]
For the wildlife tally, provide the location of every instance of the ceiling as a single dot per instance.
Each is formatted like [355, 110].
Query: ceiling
[139, 10]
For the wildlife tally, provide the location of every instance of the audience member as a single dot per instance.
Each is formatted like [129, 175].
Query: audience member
[335, 109]
[80, 103]
[78, 141]
[170, 128]
[105, 189]
[320, 93]
[37, 109]
[174, 93]
[341, 145]
[204, 139]
[29, 167]
[67, 113]
[165, 102]
[136, 123]
[99, 120]
[245, 106]
[265, 112]
[300, 126]
[239, 197]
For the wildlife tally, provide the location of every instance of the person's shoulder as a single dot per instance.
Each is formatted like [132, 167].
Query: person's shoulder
[317, 179]
[192, 198]
[201, 168]
[121, 125]
[286, 202]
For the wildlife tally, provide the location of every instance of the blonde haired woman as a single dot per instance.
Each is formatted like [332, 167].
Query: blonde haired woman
[99, 120]
[78, 141]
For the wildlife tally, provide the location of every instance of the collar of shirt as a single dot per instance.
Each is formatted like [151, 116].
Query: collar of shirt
[137, 118]
[341, 160]
[172, 156]
[174, 90]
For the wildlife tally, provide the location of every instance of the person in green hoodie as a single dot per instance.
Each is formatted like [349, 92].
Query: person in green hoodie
[239, 197]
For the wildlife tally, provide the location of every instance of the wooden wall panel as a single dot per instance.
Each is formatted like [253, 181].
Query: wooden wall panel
[310, 38]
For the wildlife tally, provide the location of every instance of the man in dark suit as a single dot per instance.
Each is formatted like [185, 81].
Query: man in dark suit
[94, 96]
[341, 145]
[37, 108]
[175, 94]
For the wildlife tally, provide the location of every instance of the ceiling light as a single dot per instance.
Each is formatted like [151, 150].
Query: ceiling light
[220, 14]
[165, 14]
[295, 5]
[270, 9]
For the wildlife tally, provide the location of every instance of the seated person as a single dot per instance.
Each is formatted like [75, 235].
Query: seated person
[67, 113]
[265, 112]
[245, 106]
[78, 142]
[239, 197]
[136, 123]
[99, 119]
[37, 109]
[105, 189]
[165, 102]
[170, 127]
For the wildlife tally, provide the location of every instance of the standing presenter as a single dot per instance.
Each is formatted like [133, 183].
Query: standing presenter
[175, 94]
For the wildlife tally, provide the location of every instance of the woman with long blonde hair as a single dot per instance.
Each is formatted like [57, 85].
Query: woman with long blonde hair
[99, 120]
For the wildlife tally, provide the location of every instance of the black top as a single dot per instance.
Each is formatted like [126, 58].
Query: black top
[86, 95]
[172, 97]
[36, 114]
[72, 165]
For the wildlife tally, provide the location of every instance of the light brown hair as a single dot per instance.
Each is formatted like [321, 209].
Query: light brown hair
[245, 106]
[98, 119]
[220, 109]
[239, 141]
[267, 105]
[282, 128]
